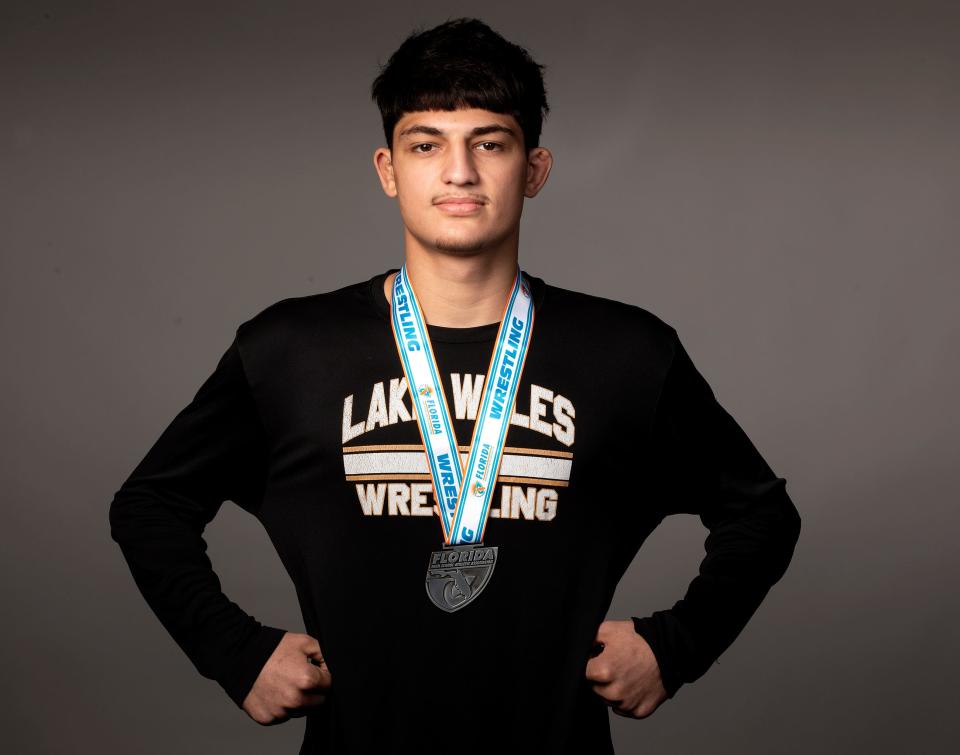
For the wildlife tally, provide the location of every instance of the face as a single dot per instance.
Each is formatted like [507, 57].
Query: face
[460, 178]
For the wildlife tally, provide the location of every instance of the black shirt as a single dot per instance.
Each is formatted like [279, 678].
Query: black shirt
[306, 424]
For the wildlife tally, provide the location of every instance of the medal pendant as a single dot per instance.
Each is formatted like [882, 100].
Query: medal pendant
[458, 573]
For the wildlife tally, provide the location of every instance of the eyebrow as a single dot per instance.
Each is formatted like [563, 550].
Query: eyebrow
[493, 128]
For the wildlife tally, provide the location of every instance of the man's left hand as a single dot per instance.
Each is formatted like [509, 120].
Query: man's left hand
[625, 673]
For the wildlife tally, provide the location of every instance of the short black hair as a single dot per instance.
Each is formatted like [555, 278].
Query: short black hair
[459, 64]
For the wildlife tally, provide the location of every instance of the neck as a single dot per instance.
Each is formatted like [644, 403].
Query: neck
[459, 292]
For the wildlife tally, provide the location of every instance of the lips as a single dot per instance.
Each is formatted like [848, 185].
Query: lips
[459, 205]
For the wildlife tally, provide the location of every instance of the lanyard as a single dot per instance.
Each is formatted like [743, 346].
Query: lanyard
[462, 493]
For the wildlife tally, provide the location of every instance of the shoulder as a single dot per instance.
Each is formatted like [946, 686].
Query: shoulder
[617, 323]
[286, 321]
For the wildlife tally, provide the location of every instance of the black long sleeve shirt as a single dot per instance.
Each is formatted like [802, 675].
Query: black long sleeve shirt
[307, 424]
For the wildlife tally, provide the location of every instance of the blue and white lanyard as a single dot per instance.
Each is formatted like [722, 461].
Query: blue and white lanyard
[463, 507]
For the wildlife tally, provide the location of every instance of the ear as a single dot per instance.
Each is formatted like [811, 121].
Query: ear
[539, 163]
[383, 162]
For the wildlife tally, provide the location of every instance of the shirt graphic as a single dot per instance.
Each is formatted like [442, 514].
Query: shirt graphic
[394, 479]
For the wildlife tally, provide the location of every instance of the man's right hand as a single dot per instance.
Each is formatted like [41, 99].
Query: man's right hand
[293, 679]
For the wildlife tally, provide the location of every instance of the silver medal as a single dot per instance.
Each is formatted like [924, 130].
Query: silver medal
[457, 574]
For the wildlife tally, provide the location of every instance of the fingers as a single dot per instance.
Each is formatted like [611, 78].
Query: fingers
[312, 650]
[643, 710]
[603, 632]
[626, 703]
[295, 680]
[621, 673]
[599, 669]
[307, 701]
[318, 671]
[292, 704]
[307, 693]
[318, 678]
[623, 701]
[608, 694]
[620, 703]
[311, 682]
[629, 705]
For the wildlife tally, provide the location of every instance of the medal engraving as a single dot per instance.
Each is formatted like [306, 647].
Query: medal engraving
[457, 574]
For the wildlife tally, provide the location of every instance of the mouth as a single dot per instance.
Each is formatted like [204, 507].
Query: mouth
[460, 207]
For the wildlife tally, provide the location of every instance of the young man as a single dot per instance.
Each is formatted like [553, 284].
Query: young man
[438, 594]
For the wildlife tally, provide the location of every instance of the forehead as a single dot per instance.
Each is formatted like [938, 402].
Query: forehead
[454, 122]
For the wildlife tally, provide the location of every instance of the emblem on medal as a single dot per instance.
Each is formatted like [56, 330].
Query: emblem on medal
[457, 574]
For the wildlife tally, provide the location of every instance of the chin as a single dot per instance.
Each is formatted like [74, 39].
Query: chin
[461, 246]
[466, 243]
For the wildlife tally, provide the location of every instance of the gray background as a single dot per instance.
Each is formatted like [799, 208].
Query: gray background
[779, 181]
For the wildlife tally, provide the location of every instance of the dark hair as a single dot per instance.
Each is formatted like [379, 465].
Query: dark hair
[459, 64]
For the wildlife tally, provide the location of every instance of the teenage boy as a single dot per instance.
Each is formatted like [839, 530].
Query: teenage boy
[456, 462]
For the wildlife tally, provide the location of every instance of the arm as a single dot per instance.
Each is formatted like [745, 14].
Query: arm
[708, 466]
[213, 450]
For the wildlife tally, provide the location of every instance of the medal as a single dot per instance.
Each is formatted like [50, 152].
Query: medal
[458, 572]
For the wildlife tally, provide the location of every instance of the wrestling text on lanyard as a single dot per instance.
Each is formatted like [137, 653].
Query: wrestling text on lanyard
[458, 572]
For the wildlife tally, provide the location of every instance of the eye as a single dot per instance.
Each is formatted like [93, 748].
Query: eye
[416, 148]
[494, 146]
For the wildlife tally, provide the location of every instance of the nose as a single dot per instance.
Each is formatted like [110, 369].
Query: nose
[459, 168]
